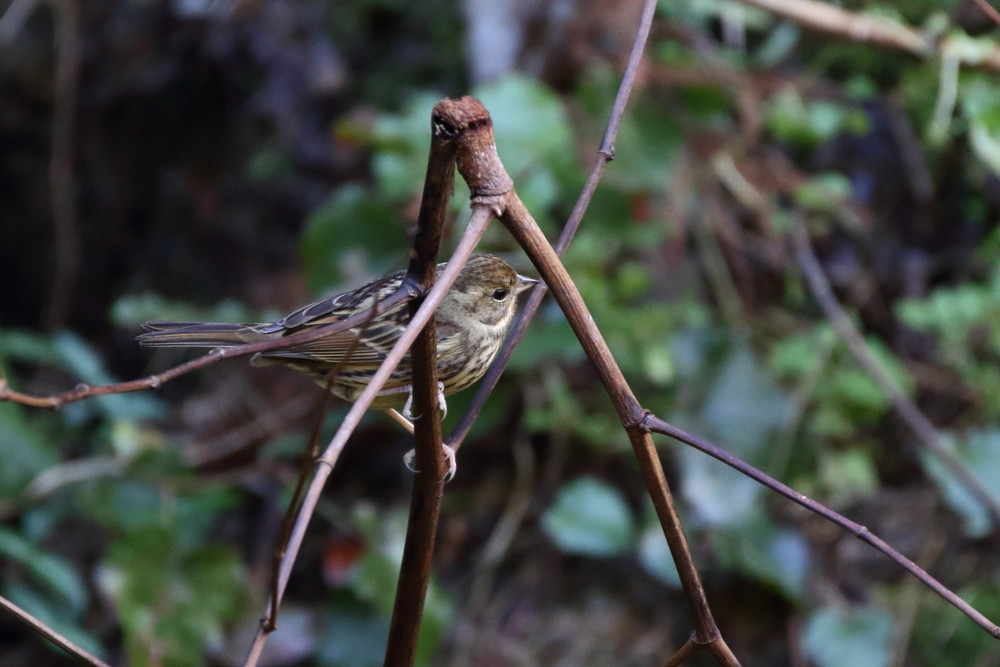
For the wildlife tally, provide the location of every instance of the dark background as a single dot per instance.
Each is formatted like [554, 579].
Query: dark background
[233, 160]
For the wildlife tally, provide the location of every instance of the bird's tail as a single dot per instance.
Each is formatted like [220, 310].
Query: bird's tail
[200, 334]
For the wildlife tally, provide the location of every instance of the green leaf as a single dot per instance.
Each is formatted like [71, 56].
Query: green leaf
[172, 601]
[81, 359]
[24, 450]
[806, 123]
[720, 495]
[645, 149]
[943, 637]
[835, 637]
[847, 475]
[27, 346]
[352, 219]
[775, 556]
[981, 103]
[124, 504]
[525, 140]
[744, 405]
[402, 142]
[589, 517]
[54, 573]
[55, 614]
[353, 633]
[979, 451]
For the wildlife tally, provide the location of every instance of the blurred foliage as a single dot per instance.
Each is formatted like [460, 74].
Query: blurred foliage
[231, 164]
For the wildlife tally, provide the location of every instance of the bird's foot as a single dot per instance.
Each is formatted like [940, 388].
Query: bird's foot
[442, 403]
[449, 454]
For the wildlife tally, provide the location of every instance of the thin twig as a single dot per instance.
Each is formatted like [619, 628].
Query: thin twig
[605, 154]
[50, 634]
[325, 463]
[927, 435]
[270, 621]
[687, 649]
[83, 391]
[471, 617]
[658, 425]
[878, 30]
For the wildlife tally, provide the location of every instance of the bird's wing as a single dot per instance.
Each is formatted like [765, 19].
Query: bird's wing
[363, 345]
[358, 346]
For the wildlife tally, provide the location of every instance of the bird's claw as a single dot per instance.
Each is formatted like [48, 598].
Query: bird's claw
[449, 453]
[408, 406]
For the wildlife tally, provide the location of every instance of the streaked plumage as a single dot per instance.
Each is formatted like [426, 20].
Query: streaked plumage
[471, 323]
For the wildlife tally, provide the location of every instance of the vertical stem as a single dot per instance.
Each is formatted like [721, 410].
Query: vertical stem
[428, 484]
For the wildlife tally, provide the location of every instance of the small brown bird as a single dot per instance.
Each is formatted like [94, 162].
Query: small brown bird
[471, 323]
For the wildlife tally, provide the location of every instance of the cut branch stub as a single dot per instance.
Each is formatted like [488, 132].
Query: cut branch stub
[468, 121]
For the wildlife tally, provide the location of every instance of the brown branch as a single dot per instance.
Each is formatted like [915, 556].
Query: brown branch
[657, 425]
[484, 172]
[605, 154]
[518, 220]
[877, 30]
[51, 635]
[687, 649]
[928, 436]
[430, 461]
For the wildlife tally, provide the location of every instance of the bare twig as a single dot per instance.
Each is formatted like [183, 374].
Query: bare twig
[687, 649]
[878, 30]
[270, 620]
[657, 425]
[927, 435]
[50, 634]
[605, 154]
[325, 463]
[82, 391]
[471, 618]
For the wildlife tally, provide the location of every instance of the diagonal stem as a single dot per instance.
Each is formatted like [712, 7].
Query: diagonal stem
[519, 221]
[928, 437]
[657, 425]
[325, 463]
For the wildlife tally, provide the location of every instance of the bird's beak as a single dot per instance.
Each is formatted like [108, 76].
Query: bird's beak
[524, 283]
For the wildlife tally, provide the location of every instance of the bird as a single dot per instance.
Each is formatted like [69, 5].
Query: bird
[470, 325]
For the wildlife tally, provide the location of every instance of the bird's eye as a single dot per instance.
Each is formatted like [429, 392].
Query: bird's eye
[500, 294]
